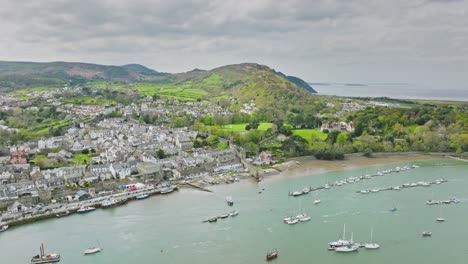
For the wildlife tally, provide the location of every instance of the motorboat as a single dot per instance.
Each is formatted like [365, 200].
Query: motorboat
[297, 193]
[43, 258]
[233, 213]
[306, 190]
[229, 200]
[375, 190]
[271, 255]
[167, 190]
[92, 250]
[397, 188]
[86, 209]
[142, 196]
[304, 218]
[212, 220]
[3, 228]
[289, 218]
[317, 201]
[440, 219]
[426, 233]
[292, 221]
[393, 209]
[223, 216]
[364, 192]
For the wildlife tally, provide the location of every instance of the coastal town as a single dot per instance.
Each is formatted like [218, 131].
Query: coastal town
[104, 157]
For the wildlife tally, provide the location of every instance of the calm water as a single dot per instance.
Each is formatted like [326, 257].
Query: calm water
[168, 229]
[400, 91]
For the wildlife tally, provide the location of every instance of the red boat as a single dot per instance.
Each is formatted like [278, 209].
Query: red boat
[272, 255]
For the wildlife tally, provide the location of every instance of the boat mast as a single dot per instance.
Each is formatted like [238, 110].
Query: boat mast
[344, 231]
[371, 235]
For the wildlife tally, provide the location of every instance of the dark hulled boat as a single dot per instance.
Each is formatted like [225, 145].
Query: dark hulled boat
[272, 255]
[43, 258]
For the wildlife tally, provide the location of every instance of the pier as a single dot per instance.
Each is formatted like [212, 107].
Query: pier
[198, 187]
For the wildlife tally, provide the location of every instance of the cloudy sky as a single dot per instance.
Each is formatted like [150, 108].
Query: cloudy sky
[317, 40]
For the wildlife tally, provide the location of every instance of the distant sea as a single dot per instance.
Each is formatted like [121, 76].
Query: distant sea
[392, 90]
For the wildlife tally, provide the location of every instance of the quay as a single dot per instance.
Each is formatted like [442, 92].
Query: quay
[54, 209]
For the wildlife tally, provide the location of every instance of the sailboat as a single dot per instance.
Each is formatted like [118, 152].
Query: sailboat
[351, 247]
[371, 244]
[340, 242]
[440, 218]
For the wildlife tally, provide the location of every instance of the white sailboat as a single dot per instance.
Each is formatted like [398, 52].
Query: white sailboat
[340, 242]
[371, 244]
[440, 218]
[351, 247]
[93, 250]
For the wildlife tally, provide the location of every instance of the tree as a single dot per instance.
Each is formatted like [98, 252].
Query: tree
[160, 154]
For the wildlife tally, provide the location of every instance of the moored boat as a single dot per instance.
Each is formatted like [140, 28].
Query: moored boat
[62, 214]
[109, 203]
[92, 250]
[317, 201]
[426, 233]
[350, 247]
[142, 196]
[271, 255]
[229, 200]
[42, 258]
[167, 190]
[3, 228]
[292, 221]
[233, 213]
[223, 216]
[371, 244]
[85, 209]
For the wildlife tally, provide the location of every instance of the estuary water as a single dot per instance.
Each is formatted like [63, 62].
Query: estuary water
[394, 90]
[169, 229]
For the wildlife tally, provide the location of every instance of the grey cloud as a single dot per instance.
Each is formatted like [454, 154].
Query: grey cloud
[323, 39]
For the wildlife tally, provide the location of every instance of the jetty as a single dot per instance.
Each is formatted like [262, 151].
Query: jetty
[198, 187]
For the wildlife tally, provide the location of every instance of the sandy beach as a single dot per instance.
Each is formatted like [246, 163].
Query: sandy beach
[307, 166]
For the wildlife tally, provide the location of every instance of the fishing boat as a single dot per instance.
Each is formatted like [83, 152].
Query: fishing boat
[317, 201]
[371, 244]
[142, 196]
[233, 213]
[62, 214]
[229, 200]
[272, 255]
[43, 258]
[3, 228]
[426, 233]
[86, 209]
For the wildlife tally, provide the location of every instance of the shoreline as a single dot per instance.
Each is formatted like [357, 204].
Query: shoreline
[310, 166]
[292, 168]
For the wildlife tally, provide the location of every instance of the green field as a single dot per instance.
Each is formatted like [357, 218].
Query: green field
[241, 127]
[88, 100]
[80, 159]
[307, 134]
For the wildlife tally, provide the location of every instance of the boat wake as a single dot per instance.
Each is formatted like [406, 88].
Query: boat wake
[335, 215]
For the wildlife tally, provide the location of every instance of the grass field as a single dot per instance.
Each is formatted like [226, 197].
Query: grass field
[241, 127]
[307, 134]
[80, 159]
